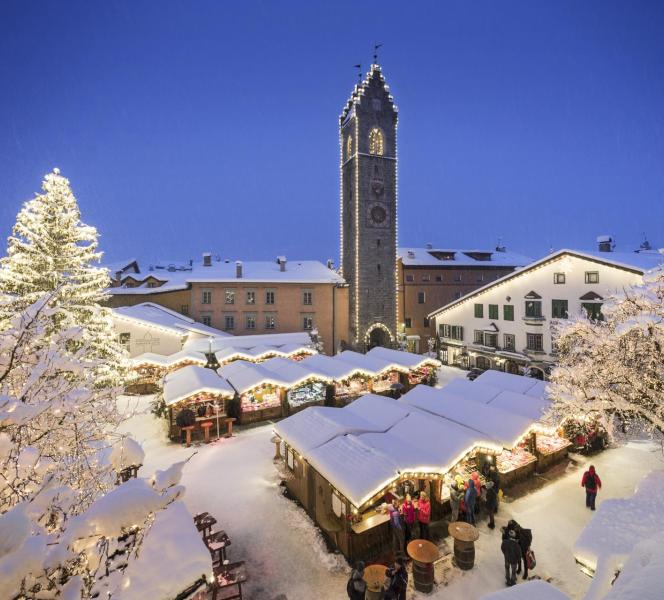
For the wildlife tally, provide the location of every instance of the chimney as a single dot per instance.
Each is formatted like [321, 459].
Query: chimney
[238, 269]
[281, 261]
[330, 264]
[605, 243]
[207, 259]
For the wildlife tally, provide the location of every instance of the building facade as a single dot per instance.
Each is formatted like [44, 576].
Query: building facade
[368, 145]
[431, 277]
[507, 324]
[246, 298]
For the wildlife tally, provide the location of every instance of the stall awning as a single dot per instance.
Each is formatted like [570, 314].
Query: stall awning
[192, 380]
[407, 360]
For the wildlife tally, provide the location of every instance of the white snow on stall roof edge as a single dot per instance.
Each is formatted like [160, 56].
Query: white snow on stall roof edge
[193, 379]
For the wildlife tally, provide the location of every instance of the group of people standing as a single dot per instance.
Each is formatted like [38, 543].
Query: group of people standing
[515, 547]
[394, 588]
[466, 497]
[409, 520]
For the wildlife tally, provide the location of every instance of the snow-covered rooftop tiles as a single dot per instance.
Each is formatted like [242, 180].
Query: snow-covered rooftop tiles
[249, 341]
[190, 380]
[456, 257]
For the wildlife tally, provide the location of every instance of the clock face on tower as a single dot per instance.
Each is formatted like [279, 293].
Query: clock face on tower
[377, 215]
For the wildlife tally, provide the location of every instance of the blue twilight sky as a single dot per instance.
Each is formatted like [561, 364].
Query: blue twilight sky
[193, 126]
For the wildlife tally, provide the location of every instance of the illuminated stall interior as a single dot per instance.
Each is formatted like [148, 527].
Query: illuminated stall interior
[420, 368]
[200, 391]
[379, 374]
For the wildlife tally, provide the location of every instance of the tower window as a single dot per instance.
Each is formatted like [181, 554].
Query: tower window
[378, 268]
[349, 146]
[376, 142]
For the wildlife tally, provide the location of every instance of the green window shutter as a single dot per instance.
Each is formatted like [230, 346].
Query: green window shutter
[493, 311]
[479, 311]
[508, 312]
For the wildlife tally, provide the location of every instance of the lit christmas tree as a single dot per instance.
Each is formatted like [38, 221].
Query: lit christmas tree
[52, 252]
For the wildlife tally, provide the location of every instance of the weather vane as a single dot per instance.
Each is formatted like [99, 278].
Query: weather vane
[376, 53]
[359, 72]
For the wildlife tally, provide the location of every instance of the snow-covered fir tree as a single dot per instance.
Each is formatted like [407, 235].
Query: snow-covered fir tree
[613, 369]
[52, 251]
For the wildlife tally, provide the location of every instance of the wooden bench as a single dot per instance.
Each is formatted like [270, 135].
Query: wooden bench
[228, 580]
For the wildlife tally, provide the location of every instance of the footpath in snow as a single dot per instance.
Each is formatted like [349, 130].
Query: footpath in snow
[236, 481]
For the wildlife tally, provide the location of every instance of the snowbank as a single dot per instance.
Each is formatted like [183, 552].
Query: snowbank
[171, 542]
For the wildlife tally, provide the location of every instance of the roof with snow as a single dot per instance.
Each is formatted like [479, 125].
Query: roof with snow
[300, 338]
[361, 448]
[407, 360]
[192, 380]
[332, 367]
[371, 364]
[178, 277]
[634, 262]
[456, 257]
[245, 376]
[170, 360]
[155, 315]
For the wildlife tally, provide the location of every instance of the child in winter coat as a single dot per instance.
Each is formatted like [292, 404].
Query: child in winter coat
[408, 512]
[592, 483]
[424, 515]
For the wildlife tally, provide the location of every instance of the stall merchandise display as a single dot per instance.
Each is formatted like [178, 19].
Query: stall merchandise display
[508, 460]
[355, 387]
[265, 398]
[384, 383]
[311, 392]
[547, 444]
[419, 375]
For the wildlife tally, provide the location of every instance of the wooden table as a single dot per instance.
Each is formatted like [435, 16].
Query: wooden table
[229, 426]
[424, 553]
[217, 544]
[188, 429]
[464, 535]
[374, 575]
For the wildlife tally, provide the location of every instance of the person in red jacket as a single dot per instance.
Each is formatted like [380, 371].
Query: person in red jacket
[424, 515]
[592, 483]
[408, 512]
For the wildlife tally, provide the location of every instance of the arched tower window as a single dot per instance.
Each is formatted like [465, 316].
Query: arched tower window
[376, 142]
[349, 146]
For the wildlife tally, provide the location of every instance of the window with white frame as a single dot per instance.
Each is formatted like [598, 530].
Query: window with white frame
[206, 297]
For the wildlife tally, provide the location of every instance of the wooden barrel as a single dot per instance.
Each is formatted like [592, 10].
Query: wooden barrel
[464, 554]
[423, 576]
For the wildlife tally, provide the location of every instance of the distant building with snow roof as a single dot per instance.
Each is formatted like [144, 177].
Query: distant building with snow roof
[431, 277]
[241, 297]
[506, 324]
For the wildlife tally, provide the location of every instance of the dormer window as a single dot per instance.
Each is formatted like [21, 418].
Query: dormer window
[376, 142]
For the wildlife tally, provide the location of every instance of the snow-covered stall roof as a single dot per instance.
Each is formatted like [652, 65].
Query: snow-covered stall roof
[529, 590]
[371, 365]
[353, 467]
[155, 315]
[383, 412]
[245, 376]
[317, 425]
[530, 407]
[293, 349]
[291, 372]
[172, 540]
[507, 381]
[330, 367]
[169, 360]
[472, 390]
[494, 424]
[407, 360]
[190, 380]
[619, 523]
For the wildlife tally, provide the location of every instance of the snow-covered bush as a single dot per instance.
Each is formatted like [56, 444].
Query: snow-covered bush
[613, 369]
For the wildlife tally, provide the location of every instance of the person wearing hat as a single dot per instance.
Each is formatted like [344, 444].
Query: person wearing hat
[356, 586]
[397, 527]
[512, 554]
[491, 502]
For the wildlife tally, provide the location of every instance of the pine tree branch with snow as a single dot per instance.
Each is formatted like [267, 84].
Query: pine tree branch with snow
[613, 369]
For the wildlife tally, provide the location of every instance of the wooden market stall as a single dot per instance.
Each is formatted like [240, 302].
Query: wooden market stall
[261, 392]
[204, 395]
[380, 374]
[305, 386]
[147, 369]
[348, 382]
[420, 368]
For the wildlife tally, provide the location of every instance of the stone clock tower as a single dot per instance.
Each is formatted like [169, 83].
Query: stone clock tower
[368, 139]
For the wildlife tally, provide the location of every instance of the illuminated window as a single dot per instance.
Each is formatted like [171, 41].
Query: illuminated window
[376, 142]
[349, 146]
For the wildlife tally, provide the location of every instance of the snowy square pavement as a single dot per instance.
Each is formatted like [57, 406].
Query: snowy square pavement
[236, 481]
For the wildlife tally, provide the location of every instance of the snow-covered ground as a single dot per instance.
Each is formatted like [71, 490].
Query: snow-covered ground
[236, 481]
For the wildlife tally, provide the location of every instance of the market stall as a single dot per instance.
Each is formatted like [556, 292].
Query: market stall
[260, 390]
[197, 398]
[420, 368]
[305, 386]
[378, 374]
[550, 449]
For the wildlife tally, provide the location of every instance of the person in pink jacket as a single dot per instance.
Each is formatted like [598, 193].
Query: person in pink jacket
[424, 515]
[408, 512]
